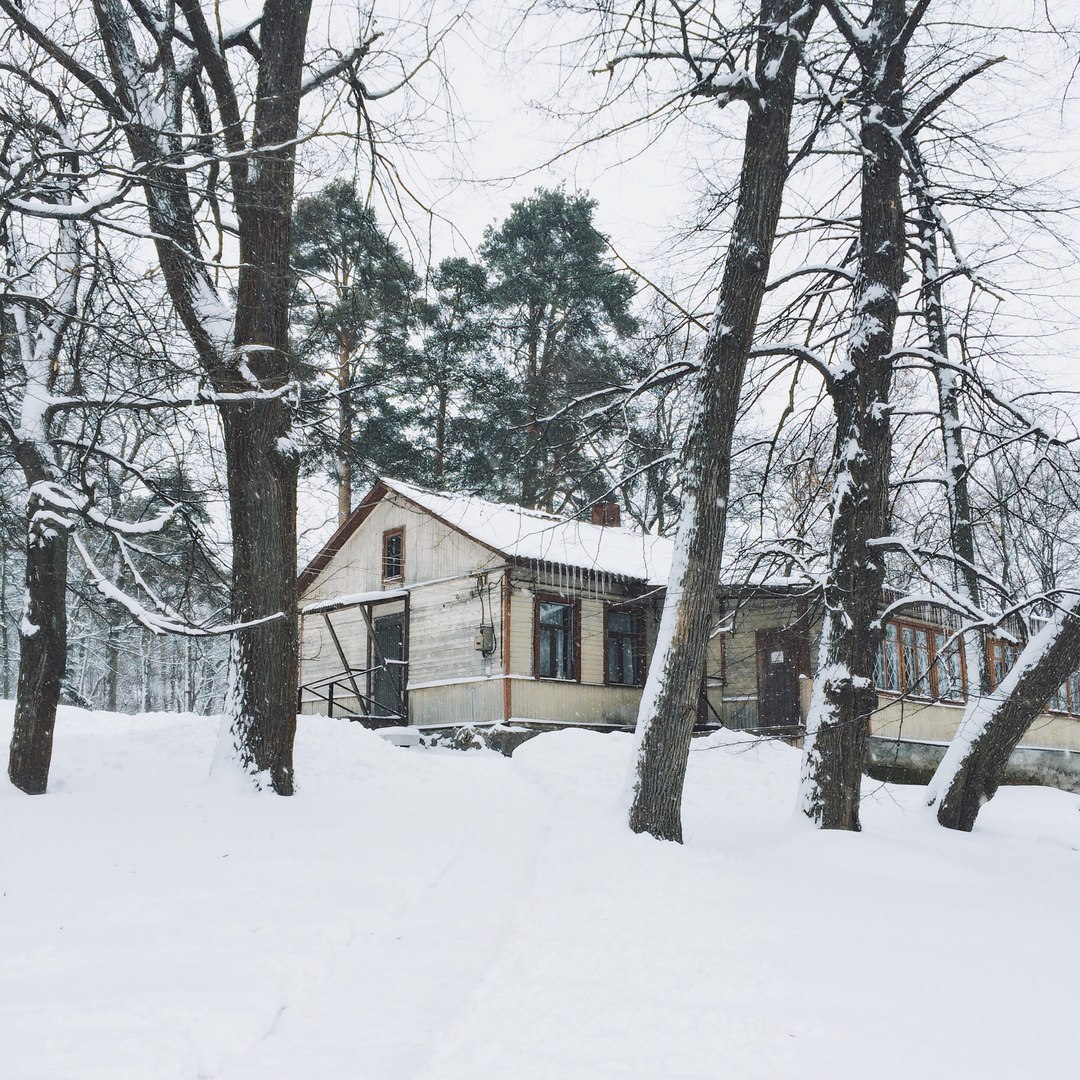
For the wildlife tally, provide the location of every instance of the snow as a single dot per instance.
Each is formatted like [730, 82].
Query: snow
[656, 679]
[548, 538]
[431, 915]
[216, 316]
[336, 603]
[980, 711]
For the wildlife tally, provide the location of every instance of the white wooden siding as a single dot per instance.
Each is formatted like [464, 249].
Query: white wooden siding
[449, 680]
[442, 623]
[443, 620]
[463, 703]
[543, 699]
[432, 551]
[592, 642]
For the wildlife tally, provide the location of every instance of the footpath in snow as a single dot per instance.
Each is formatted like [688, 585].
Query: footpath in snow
[431, 915]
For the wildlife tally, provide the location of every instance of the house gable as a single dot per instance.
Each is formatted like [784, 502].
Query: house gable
[352, 560]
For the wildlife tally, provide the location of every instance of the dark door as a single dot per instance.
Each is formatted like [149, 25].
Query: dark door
[387, 660]
[778, 678]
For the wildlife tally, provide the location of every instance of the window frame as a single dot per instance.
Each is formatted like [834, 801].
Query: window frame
[1069, 695]
[389, 534]
[994, 646]
[574, 603]
[956, 647]
[639, 643]
[926, 686]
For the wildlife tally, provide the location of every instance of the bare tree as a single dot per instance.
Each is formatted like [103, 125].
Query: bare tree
[993, 724]
[42, 294]
[206, 120]
[672, 692]
[844, 696]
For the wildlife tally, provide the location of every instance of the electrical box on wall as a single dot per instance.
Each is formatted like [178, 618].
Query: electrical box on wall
[485, 639]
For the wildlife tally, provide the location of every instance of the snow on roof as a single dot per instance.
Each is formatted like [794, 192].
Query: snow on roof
[534, 536]
[334, 603]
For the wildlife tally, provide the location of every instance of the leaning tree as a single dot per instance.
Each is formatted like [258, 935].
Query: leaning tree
[755, 62]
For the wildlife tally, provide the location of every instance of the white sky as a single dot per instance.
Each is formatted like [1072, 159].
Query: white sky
[508, 79]
[509, 76]
[501, 72]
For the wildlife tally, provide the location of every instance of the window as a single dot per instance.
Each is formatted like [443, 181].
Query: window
[923, 661]
[888, 662]
[624, 661]
[1002, 657]
[1059, 700]
[1067, 697]
[556, 638]
[393, 554]
[949, 670]
[928, 662]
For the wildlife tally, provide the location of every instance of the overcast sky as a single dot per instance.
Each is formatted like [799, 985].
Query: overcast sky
[511, 78]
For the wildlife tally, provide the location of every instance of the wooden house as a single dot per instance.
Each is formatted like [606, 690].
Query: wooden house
[433, 609]
[429, 608]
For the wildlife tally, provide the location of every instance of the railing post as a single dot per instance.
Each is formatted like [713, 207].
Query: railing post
[330, 700]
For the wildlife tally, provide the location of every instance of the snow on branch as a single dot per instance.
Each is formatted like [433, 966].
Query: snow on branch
[944, 593]
[1008, 405]
[81, 209]
[829, 372]
[159, 622]
[347, 63]
[63, 500]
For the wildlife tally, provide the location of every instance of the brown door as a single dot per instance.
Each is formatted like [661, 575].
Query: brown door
[778, 678]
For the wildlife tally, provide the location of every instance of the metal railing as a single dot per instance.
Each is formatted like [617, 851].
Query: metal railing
[345, 685]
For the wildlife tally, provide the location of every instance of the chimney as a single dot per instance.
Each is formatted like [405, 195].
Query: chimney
[606, 514]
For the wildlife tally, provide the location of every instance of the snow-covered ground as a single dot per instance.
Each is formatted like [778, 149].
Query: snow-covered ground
[427, 915]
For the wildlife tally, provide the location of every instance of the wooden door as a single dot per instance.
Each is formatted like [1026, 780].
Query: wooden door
[778, 655]
[387, 661]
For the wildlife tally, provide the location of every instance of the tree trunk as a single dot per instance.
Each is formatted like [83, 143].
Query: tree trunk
[531, 463]
[5, 630]
[189, 678]
[263, 659]
[262, 462]
[440, 435]
[948, 384]
[345, 436]
[974, 765]
[672, 692]
[844, 698]
[113, 633]
[42, 649]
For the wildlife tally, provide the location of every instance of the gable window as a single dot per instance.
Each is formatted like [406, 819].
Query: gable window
[624, 660]
[393, 555]
[556, 638]
[923, 661]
